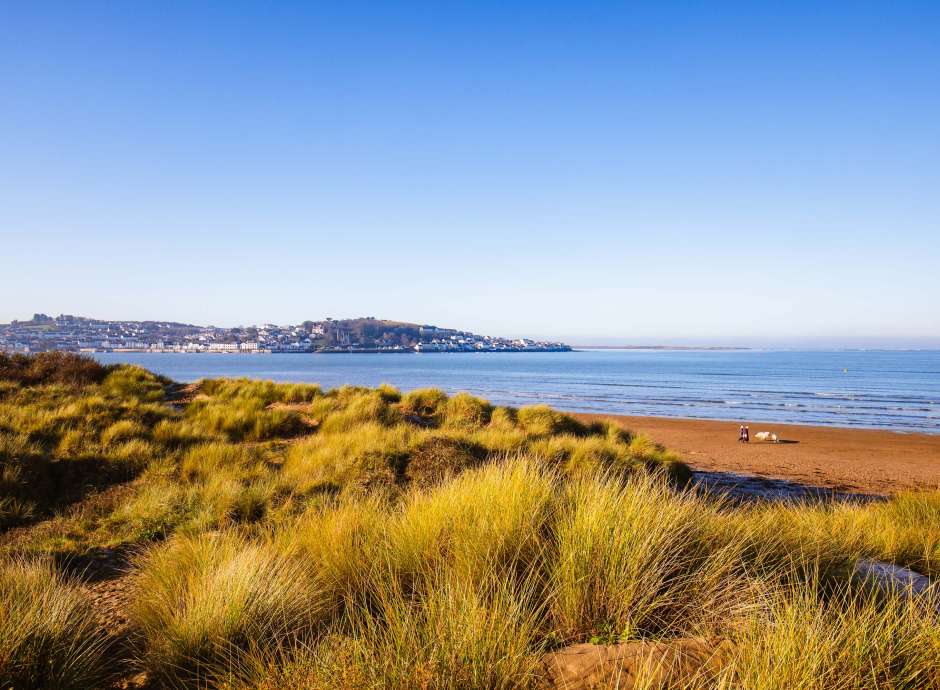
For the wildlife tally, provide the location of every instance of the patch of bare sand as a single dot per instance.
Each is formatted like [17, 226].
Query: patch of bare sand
[843, 460]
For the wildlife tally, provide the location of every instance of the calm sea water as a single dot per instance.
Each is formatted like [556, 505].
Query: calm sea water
[877, 389]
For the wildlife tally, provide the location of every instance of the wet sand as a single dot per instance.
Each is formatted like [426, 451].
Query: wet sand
[843, 460]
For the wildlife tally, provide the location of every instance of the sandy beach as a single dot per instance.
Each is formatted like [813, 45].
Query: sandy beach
[844, 460]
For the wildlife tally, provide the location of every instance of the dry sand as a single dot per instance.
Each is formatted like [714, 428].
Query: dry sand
[844, 460]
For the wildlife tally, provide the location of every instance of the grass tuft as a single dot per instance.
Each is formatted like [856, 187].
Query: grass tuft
[202, 599]
[49, 638]
[424, 406]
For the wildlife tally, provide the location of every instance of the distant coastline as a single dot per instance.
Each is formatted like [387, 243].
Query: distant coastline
[368, 334]
[698, 348]
[324, 351]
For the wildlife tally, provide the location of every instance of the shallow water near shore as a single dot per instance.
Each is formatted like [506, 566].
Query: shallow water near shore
[897, 390]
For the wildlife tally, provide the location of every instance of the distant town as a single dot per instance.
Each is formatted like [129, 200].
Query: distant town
[69, 333]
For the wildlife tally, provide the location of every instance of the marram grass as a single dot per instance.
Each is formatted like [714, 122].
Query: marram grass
[288, 536]
[49, 637]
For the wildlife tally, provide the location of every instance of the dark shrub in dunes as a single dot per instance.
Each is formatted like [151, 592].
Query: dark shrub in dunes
[436, 458]
[51, 367]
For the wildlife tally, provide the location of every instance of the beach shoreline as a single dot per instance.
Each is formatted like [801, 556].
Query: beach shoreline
[866, 461]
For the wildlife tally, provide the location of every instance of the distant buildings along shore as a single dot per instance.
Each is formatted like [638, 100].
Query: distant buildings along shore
[80, 334]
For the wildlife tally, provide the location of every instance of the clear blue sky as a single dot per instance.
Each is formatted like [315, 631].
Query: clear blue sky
[677, 172]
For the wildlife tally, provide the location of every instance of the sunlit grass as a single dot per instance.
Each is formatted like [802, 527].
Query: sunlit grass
[201, 599]
[49, 638]
[848, 639]
[360, 538]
